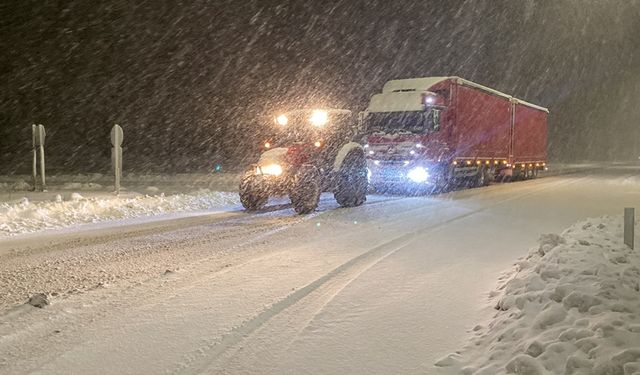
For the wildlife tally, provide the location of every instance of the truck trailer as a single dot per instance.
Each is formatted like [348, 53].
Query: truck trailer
[436, 132]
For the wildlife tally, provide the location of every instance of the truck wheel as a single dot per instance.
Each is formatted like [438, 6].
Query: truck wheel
[253, 195]
[483, 178]
[487, 177]
[351, 184]
[445, 181]
[306, 189]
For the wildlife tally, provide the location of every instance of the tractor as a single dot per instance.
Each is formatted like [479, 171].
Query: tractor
[311, 151]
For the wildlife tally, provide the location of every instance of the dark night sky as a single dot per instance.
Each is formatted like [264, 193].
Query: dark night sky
[192, 81]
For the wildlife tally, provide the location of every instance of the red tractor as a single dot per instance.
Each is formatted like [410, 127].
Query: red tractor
[312, 151]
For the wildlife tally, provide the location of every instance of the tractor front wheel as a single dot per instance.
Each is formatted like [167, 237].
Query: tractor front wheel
[306, 189]
[253, 194]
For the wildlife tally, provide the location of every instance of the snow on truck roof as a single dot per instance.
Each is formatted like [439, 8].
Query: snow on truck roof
[412, 84]
[338, 111]
[424, 84]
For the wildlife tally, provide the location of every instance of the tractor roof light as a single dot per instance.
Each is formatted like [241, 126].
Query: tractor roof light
[319, 118]
[282, 120]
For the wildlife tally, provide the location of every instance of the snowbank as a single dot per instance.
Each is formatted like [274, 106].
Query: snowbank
[571, 307]
[81, 186]
[18, 185]
[26, 216]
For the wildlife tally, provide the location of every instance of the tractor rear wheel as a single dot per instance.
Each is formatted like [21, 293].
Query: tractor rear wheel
[351, 185]
[306, 189]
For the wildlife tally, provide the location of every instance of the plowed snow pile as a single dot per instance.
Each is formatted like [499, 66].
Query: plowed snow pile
[26, 216]
[572, 306]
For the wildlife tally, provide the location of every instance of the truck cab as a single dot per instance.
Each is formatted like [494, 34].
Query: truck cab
[407, 132]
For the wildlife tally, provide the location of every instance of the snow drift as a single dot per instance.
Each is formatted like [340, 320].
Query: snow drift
[572, 306]
[26, 216]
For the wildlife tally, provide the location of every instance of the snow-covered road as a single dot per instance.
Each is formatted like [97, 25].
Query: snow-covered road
[389, 287]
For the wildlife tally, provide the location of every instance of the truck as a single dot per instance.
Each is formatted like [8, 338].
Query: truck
[311, 150]
[434, 133]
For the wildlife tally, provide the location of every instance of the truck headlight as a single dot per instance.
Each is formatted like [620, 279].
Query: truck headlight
[271, 169]
[418, 174]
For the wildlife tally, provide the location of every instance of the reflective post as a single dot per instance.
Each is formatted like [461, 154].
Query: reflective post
[41, 135]
[629, 223]
[34, 131]
[116, 155]
[37, 137]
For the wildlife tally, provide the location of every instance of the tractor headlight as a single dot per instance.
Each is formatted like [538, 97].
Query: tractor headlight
[319, 118]
[271, 169]
[418, 174]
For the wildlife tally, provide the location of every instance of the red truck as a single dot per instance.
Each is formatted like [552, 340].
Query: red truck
[435, 132]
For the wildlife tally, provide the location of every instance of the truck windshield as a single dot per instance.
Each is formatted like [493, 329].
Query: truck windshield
[394, 122]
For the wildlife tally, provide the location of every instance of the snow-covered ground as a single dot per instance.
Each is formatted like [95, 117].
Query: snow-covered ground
[390, 287]
[72, 200]
[572, 306]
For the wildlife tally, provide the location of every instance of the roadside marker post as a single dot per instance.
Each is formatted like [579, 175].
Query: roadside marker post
[38, 135]
[34, 148]
[629, 226]
[117, 136]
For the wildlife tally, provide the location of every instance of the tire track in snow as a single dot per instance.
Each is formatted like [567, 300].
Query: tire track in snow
[103, 305]
[240, 231]
[64, 239]
[324, 290]
[16, 327]
[272, 329]
[69, 261]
